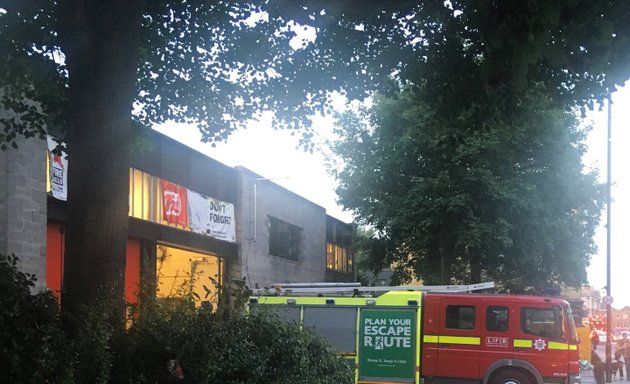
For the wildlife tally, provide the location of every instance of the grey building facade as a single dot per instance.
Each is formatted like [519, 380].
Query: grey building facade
[282, 235]
[23, 205]
[279, 235]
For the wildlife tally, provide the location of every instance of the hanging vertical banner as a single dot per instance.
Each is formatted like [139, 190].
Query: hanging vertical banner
[174, 203]
[211, 217]
[58, 171]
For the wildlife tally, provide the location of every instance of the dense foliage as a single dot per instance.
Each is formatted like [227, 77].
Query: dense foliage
[215, 349]
[170, 342]
[471, 197]
[31, 341]
[94, 69]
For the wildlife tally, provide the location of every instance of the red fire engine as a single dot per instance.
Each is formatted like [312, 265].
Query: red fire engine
[597, 322]
[436, 336]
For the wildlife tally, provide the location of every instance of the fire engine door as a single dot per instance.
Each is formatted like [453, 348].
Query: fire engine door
[542, 338]
[459, 338]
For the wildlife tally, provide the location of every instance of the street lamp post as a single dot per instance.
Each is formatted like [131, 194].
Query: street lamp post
[608, 209]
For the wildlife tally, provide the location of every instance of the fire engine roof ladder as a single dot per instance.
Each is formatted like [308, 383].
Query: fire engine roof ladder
[355, 289]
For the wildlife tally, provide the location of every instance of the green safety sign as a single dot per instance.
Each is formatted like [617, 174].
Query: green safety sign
[387, 345]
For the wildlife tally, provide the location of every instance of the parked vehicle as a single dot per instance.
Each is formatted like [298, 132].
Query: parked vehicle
[617, 333]
[602, 336]
[432, 336]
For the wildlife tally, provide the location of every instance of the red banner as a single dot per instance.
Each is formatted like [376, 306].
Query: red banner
[174, 204]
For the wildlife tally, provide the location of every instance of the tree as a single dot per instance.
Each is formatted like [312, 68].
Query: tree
[481, 195]
[86, 65]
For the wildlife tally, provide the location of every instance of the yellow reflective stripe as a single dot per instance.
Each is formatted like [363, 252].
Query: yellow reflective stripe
[452, 340]
[418, 347]
[459, 340]
[563, 346]
[430, 339]
[520, 343]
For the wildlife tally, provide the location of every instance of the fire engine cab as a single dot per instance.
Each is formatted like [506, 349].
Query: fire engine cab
[435, 334]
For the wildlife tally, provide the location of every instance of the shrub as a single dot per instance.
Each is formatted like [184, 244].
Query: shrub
[223, 347]
[94, 335]
[170, 336]
[31, 341]
[259, 349]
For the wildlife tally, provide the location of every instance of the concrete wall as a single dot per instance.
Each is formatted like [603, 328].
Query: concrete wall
[23, 206]
[260, 199]
[23, 212]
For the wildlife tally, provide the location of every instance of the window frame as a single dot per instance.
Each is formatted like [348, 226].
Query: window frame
[285, 239]
[539, 327]
[338, 258]
[492, 309]
[459, 321]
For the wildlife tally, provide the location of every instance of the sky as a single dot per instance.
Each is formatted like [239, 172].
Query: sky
[275, 155]
[620, 191]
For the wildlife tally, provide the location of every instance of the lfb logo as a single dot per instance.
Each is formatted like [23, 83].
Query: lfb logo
[497, 341]
[540, 344]
[172, 203]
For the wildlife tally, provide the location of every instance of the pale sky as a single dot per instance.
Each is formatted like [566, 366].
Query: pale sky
[620, 208]
[274, 154]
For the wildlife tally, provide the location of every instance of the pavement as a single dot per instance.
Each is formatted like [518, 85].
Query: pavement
[587, 376]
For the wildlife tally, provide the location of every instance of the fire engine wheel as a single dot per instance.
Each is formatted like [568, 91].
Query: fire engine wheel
[511, 376]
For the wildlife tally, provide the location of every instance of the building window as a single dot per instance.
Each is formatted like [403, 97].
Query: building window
[338, 258]
[285, 240]
[143, 195]
[146, 199]
[460, 317]
[181, 273]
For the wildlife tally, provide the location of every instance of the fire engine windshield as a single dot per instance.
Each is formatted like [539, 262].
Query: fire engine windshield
[572, 332]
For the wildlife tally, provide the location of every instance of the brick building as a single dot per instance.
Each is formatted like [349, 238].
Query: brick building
[620, 318]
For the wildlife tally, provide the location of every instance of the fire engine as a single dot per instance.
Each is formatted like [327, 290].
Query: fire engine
[435, 334]
[597, 322]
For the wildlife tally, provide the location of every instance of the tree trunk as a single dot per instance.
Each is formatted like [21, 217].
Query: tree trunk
[475, 266]
[446, 255]
[100, 40]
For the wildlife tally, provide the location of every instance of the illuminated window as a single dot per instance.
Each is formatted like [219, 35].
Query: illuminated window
[181, 272]
[48, 184]
[145, 199]
[338, 258]
[143, 195]
[330, 256]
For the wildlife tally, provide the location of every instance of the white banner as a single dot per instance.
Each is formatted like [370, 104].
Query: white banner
[211, 217]
[58, 174]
